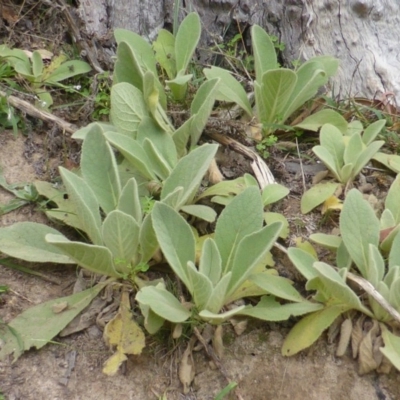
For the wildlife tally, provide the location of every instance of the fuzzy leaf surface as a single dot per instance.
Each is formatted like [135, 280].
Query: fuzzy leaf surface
[229, 89]
[176, 240]
[268, 309]
[243, 216]
[26, 241]
[86, 204]
[310, 328]
[316, 195]
[128, 108]
[121, 236]
[163, 303]
[251, 250]
[97, 259]
[264, 51]
[186, 40]
[189, 172]
[39, 324]
[359, 227]
[99, 169]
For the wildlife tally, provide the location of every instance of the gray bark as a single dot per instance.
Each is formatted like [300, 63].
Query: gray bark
[363, 34]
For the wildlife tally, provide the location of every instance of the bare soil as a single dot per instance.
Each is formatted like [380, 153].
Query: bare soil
[71, 368]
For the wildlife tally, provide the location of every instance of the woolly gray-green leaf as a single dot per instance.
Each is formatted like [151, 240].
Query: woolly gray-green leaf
[303, 262]
[310, 328]
[264, 51]
[200, 284]
[26, 241]
[121, 236]
[268, 309]
[201, 107]
[133, 152]
[86, 204]
[147, 239]
[327, 116]
[129, 201]
[39, 324]
[97, 259]
[276, 89]
[277, 286]
[189, 172]
[99, 169]
[186, 40]
[372, 131]
[164, 48]
[311, 75]
[392, 347]
[359, 227]
[392, 199]
[243, 216]
[218, 296]
[229, 89]
[316, 195]
[200, 211]
[163, 303]
[176, 240]
[128, 108]
[273, 193]
[210, 261]
[251, 250]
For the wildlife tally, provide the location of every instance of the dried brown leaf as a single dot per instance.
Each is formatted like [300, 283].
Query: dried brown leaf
[177, 331]
[345, 336]
[214, 174]
[217, 342]
[319, 177]
[357, 336]
[334, 329]
[186, 368]
[239, 325]
[367, 362]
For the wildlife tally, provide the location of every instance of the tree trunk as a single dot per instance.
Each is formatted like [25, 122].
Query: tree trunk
[363, 34]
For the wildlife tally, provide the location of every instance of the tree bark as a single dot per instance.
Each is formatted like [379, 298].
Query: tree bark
[363, 34]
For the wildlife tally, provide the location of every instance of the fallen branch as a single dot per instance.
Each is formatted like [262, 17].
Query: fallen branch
[33, 111]
[367, 286]
[261, 171]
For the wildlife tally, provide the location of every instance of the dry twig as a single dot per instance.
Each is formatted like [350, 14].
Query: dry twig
[37, 113]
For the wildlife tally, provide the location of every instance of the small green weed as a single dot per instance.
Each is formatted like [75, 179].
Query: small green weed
[102, 101]
[264, 146]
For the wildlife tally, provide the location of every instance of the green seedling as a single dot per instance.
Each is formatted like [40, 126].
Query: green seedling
[39, 75]
[346, 155]
[175, 52]
[107, 211]
[279, 92]
[227, 269]
[8, 118]
[25, 193]
[224, 192]
[361, 235]
[344, 148]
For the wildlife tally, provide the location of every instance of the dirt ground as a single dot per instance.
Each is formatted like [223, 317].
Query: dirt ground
[253, 359]
[71, 368]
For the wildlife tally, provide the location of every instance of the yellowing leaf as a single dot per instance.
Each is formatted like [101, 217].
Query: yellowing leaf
[317, 195]
[112, 365]
[306, 246]
[123, 333]
[55, 63]
[310, 328]
[187, 368]
[332, 203]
